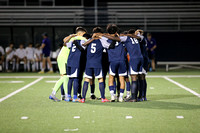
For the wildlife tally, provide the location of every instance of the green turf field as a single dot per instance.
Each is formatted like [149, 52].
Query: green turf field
[166, 101]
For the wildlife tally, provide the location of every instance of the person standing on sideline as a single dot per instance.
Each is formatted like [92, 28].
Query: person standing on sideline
[151, 46]
[46, 49]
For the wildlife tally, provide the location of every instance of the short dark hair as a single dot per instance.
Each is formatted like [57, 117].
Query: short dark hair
[125, 32]
[131, 31]
[97, 30]
[87, 36]
[44, 34]
[112, 28]
[80, 29]
[149, 34]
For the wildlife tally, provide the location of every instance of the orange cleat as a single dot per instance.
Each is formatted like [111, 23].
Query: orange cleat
[82, 100]
[104, 100]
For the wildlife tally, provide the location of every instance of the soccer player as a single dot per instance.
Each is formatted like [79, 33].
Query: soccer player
[94, 64]
[136, 61]
[2, 55]
[62, 62]
[117, 62]
[151, 46]
[38, 57]
[46, 53]
[21, 56]
[142, 77]
[30, 57]
[73, 62]
[10, 56]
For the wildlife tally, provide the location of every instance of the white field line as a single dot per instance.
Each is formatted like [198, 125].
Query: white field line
[11, 81]
[21, 89]
[182, 86]
[150, 76]
[53, 81]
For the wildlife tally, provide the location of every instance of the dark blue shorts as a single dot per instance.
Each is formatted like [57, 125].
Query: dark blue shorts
[45, 55]
[118, 67]
[89, 72]
[73, 72]
[136, 65]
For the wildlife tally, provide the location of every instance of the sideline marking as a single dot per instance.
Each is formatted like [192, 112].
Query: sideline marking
[182, 86]
[51, 81]
[129, 117]
[66, 130]
[21, 89]
[11, 81]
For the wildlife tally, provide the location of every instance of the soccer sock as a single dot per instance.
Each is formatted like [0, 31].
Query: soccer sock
[141, 89]
[51, 69]
[121, 93]
[92, 89]
[36, 64]
[17, 66]
[85, 88]
[57, 85]
[111, 88]
[134, 89]
[41, 66]
[102, 89]
[13, 65]
[28, 65]
[115, 86]
[24, 67]
[65, 84]
[62, 90]
[33, 66]
[128, 88]
[145, 88]
[76, 85]
[70, 86]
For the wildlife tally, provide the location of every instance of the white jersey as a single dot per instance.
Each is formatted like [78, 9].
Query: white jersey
[30, 52]
[38, 53]
[21, 53]
[11, 54]
[1, 51]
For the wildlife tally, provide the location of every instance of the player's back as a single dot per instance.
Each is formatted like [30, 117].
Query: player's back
[94, 54]
[117, 53]
[133, 48]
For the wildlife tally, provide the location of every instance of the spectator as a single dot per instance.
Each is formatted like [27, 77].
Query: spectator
[2, 54]
[21, 56]
[38, 57]
[151, 46]
[10, 57]
[46, 53]
[30, 57]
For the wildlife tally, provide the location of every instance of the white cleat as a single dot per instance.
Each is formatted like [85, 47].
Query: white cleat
[112, 98]
[120, 99]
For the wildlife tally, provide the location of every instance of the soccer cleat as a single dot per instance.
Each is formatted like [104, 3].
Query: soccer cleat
[112, 98]
[41, 72]
[120, 99]
[130, 99]
[76, 100]
[68, 99]
[50, 72]
[139, 99]
[144, 99]
[54, 98]
[104, 100]
[82, 100]
[79, 96]
[62, 97]
[93, 97]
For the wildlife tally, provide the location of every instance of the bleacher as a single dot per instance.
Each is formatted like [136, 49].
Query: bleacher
[156, 16]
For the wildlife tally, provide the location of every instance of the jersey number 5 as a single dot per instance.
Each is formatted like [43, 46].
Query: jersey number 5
[93, 47]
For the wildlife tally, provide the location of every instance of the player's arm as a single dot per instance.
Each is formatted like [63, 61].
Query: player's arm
[88, 42]
[67, 39]
[75, 42]
[115, 38]
[42, 46]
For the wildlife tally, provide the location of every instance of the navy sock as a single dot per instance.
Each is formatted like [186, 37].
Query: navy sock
[76, 85]
[102, 90]
[111, 88]
[115, 86]
[69, 89]
[140, 87]
[92, 88]
[128, 86]
[121, 90]
[134, 89]
[62, 90]
[85, 88]
[145, 88]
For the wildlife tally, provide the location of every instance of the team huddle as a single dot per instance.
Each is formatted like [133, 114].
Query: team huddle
[120, 55]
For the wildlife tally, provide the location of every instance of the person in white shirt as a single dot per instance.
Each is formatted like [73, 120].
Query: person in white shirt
[30, 57]
[2, 54]
[21, 56]
[10, 56]
[38, 57]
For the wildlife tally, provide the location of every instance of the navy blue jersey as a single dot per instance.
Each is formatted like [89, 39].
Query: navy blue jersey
[117, 54]
[133, 48]
[95, 51]
[74, 55]
[46, 48]
[143, 47]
